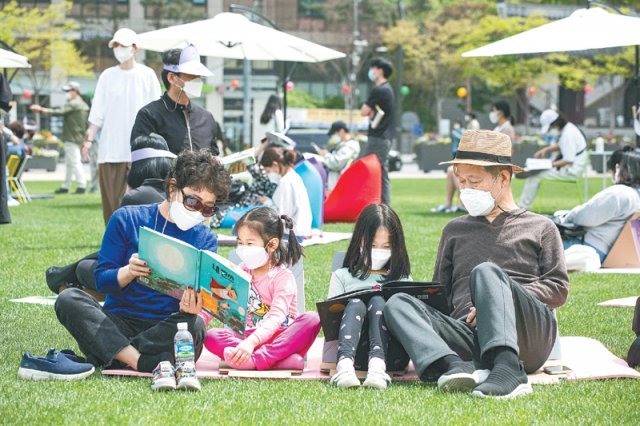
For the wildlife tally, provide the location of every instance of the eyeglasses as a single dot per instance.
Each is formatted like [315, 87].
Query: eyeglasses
[192, 203]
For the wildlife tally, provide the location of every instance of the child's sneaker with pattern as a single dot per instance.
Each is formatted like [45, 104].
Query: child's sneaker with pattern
[164, 377]
[186, 376]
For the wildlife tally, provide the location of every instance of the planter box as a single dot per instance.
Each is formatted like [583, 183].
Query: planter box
[48, 163]
[429, 155]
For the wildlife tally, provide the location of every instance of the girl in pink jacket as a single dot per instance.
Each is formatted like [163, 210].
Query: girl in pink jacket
[276, 336]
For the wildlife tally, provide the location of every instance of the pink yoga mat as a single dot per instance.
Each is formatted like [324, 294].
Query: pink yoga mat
[588, 358]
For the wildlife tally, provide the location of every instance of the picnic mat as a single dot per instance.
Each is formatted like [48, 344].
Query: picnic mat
[316, 239]
[625, 302]
[588, 359]
[628, 271]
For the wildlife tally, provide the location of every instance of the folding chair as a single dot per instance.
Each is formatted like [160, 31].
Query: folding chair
[16, 167]
[581, 182]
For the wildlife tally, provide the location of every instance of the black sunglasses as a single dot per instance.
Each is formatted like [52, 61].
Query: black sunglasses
[192, 203]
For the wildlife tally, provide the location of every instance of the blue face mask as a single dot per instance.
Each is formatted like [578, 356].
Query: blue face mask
[371, 75]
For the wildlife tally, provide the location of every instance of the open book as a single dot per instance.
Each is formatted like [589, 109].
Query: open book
[331, 310]
[176, 265]
[238, 162]
[541, 164]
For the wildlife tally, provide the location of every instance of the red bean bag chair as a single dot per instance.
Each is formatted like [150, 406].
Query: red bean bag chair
[357, 187]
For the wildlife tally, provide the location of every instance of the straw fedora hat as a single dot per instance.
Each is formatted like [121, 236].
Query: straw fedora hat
[484, 148]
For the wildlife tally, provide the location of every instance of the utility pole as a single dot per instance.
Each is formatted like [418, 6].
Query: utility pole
[399, 83]
[358, 47]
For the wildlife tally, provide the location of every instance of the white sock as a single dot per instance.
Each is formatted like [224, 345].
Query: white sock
[377, 364]
[345, 364]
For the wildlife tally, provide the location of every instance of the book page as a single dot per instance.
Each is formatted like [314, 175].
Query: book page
[174, 263]
[538, 164]
[225, 290]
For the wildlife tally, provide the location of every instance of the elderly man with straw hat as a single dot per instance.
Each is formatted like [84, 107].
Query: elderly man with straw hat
[505, 271]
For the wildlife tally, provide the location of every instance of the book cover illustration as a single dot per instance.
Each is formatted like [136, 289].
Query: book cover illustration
[176, 265]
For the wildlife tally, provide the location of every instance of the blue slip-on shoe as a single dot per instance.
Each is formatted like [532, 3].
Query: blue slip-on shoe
[55, 366]
[69, 353]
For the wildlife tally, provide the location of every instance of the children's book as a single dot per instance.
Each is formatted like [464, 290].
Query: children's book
[176, 265]
[331, 310]
[239, 161]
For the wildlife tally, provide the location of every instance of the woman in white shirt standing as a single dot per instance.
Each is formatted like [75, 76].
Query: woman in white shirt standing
[290, 197]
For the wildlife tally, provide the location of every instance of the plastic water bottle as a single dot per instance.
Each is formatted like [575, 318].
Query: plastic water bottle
[183, 344]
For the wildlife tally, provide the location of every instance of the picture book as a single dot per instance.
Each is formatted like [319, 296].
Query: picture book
[239, 161]
[331, 310]
[176, 265]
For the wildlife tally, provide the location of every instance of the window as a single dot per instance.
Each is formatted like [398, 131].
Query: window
[115, 9]
[311, 8]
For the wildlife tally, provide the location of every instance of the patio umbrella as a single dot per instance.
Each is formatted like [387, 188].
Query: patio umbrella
[9, 59]
[233, 36]
[584, 29]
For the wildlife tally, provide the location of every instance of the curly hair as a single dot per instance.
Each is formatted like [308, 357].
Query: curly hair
[200, 170]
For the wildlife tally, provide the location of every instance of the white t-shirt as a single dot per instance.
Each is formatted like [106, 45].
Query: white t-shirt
[118, 96]
[573, 147]
[291, 198]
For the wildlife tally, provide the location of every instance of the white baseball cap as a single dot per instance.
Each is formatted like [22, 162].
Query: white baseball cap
[71, 85]
[189, 63]
[547, 117]
[124, 37]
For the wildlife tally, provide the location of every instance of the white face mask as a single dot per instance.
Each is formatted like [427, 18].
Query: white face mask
[379, 258]
[252, 256]
[123, 53]
[334, 139]
[477, 202]
[193, 88]
[554, 133]
[493, 117]
[184, 218]
[274, 177]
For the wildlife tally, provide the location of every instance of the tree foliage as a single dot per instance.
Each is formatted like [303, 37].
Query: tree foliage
[42, 35]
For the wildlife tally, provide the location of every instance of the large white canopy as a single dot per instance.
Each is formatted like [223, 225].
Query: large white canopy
[231, 35]
[584, 29]
[9, 59]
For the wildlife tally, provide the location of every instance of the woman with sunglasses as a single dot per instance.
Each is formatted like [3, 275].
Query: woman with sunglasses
[136, 325]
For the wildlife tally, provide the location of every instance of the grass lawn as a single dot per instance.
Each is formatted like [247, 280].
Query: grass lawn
[59, 231]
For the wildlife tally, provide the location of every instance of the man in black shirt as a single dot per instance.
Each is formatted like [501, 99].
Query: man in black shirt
[183, 124]
[379, 107]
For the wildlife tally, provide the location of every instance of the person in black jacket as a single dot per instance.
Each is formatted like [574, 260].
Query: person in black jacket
[151, 162]
[183, 124]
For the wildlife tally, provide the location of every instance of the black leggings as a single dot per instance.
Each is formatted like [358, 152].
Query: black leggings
[357, 319]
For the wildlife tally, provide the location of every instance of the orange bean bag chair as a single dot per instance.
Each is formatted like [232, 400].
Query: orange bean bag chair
[358, 186]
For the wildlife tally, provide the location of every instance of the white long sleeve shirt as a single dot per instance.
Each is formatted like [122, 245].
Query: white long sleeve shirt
[291, 198]
[118, 96]
[605, 214]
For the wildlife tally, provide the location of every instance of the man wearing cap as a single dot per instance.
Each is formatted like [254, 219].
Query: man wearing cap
[343, 149]
[504, 269]
[121, 91]
[74, 114]
[181, 122]
[572, 146]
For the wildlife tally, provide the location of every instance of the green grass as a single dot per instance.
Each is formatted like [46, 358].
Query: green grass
[59, 231]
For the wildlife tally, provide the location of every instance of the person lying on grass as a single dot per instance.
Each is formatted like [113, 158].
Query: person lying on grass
[505, 270]
[136, 326]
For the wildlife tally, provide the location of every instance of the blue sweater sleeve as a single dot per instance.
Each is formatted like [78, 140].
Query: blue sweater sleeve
[112, 255]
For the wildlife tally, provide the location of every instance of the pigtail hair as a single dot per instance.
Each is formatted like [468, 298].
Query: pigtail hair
[294, 250]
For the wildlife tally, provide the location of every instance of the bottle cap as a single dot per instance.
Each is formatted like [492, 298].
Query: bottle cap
[183, 326]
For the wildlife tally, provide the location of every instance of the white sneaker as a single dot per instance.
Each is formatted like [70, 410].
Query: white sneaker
[377, 379]
[461, 381]
[186, 377]
[345, 379]
[164, 377]
[12, 202]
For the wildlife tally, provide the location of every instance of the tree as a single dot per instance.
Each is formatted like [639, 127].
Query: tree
[41, 34]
